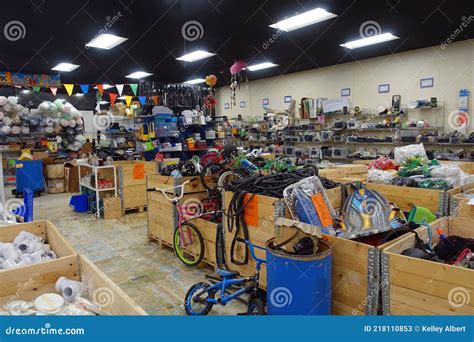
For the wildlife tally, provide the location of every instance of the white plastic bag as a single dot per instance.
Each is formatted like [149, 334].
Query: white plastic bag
[403, 153]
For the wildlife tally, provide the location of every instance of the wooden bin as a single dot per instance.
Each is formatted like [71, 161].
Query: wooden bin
[459, 206]
[419, 287]
[49, 233]
[162, 217]
[131, 177]
[356, 266]
[435, 200]
[22, 284]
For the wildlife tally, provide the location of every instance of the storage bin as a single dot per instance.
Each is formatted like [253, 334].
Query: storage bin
[29, 174]
[80, 203]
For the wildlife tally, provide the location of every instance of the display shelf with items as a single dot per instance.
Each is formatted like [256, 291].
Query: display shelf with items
[95, 181]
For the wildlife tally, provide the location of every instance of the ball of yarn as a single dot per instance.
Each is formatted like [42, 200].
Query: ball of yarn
[12, 100]
[16, 130]
[3, 100]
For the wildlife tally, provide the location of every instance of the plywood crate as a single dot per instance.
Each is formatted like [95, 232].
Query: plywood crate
[131, 177]
[208, 230]
[458, 205]
[22, 284]
[435, 200]
[162, 216]
[420, 287]
[355, 271]
[167, 182]
[51, 236]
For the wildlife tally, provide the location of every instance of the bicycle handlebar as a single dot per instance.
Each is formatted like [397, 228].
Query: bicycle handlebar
[181, 187]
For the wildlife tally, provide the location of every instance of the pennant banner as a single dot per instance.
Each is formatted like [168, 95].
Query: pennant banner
[54, 90]
[155, 100]
[128, 100]
[100, 88]
[112, 98]
[119, 88]
[142, 100]
[36, 89]
[134, 88]
[69, 88]
[85, 88]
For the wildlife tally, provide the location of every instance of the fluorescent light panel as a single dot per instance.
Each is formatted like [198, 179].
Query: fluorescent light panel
[377, 39]
[195, 56]
[105, 86]
[195, 81]
[261, 66]
[139, 74]
[106, 41]
[304, 19]
[67, 67]
[103, 102]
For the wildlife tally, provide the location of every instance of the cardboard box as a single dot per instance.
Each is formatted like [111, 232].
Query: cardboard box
[71, 175]
[56, 186]
[55, 171]
[112, 208]
[288, 232]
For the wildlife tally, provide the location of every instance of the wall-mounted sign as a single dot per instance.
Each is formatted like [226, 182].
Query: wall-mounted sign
[226, 106]
[384, 88]
[29, 80]
[346, 92]
[242, 104]
[288, 99]
[265, 102]
[427, 82]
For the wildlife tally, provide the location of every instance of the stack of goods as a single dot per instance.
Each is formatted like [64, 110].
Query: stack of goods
[71, 302]
[381, 170]
[26, 249]
[453, 250]
[55, 178]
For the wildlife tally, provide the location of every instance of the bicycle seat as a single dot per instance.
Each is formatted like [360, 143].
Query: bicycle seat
[227, 274]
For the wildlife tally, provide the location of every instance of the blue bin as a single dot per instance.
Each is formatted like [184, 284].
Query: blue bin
[299, 285]
[29, 174]
[79, 203]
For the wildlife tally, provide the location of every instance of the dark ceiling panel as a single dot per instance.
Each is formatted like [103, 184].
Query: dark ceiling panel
[57, 30]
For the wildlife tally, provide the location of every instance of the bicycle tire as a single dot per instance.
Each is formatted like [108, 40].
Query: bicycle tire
[205, 172]
[189, 299]
[256, 307]
[181, 253]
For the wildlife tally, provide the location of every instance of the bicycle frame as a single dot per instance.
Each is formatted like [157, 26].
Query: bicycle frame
[225, 283]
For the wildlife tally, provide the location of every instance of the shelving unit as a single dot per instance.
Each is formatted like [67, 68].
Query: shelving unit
[95, 171]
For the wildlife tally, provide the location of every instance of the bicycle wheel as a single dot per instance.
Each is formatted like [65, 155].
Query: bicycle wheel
[226, 178]
[212, 170]
[194, 305]
[189, 248]
[256, 307]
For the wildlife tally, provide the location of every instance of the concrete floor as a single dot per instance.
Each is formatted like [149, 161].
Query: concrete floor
[151, 276]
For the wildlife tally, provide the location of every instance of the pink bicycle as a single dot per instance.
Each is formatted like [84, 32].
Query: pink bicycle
[187, 239]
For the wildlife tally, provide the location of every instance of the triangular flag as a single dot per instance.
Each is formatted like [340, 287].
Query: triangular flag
[100, 88]
[119, 88]
[112, 98]
[98, 96]
[142, 99]
[97, 107]
[134, 88]
[54, 90]
[85, 88]
[155, 100]
[128, 100]
[69, 88]
[36, 89]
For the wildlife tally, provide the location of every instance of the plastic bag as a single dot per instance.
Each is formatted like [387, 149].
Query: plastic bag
[405, 152]
[380, 176]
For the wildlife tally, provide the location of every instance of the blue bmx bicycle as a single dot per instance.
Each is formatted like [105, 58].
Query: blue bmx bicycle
[202, 296]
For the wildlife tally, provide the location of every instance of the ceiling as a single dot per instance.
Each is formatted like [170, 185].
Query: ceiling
[57, 30]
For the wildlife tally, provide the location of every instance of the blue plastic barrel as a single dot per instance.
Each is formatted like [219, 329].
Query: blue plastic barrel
[299, 285]
[80, 203]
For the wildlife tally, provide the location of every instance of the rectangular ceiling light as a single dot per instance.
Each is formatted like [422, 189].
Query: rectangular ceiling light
[380, 38]
[106, 41]
[304, 19]
[196, 81]
[261, 66]
[139, 74]
[195, 56]
[67, 67]
[105, 86]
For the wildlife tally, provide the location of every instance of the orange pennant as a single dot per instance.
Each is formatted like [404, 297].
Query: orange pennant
[128, 100]
[100, 88]
[69, 88]
[155, 100]
[112, 98]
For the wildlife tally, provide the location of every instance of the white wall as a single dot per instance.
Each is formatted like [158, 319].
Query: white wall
[452, 69]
